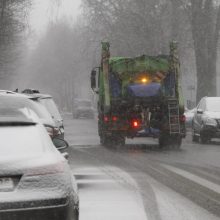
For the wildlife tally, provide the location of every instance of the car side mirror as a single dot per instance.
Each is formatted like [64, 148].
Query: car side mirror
[199, 111]
[60, 144]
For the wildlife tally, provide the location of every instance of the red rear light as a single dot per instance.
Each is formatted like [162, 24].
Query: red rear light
[182, 118]
[135, 124]
[114, 118]
[106, 119]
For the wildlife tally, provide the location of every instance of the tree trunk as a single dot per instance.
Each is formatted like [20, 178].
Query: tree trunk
[205, 32]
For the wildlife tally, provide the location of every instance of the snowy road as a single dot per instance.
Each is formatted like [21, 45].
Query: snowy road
[141, 182]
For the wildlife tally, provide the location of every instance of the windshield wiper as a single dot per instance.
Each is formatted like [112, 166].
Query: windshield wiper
[17, 123]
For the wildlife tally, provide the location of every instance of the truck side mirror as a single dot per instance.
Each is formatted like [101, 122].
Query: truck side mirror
[93, 79]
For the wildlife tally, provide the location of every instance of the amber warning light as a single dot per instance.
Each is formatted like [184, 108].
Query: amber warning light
[144, 80]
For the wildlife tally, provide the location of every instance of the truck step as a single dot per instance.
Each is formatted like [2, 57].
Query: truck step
[173, 115]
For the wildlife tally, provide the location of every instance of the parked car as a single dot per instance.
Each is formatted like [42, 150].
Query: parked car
[35, 179]
[7, 92]
[30, 91]
[82, 108]
[48, 102]
[206, 120]
[189, 116]
[41, 111]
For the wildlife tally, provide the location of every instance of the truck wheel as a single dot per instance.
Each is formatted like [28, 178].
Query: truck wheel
[118, 140]
[105, 140]
[176, 142]
[163, 141]
[169, 141]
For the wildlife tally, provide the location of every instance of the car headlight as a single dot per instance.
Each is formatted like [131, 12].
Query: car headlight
[211, 122]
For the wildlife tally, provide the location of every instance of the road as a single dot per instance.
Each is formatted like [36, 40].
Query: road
[139, 181]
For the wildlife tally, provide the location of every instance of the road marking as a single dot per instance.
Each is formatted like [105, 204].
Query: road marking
[194, 178]
[103, 196]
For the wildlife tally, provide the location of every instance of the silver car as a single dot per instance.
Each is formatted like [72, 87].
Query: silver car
[206, 120]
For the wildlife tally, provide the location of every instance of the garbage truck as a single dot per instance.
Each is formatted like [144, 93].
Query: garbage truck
[139, 97]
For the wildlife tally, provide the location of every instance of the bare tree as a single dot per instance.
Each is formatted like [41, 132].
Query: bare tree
[205, 21]
[12, 23]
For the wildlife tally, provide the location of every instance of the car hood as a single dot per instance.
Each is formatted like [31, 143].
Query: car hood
[214, 115]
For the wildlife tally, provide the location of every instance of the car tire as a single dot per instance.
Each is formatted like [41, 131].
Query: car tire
[194, 137]
[204, 139]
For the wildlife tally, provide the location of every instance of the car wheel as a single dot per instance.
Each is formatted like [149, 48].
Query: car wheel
[76, 213]
[204, 139]
[195, 138]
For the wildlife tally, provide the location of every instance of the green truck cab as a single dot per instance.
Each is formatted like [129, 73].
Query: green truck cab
[139, 96]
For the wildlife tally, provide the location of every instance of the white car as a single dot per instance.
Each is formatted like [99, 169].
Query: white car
[35, 179]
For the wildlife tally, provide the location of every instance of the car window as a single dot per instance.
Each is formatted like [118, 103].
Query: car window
[213, 105]
[51, 107]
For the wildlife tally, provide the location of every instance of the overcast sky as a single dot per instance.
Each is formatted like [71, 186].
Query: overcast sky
[45, 10]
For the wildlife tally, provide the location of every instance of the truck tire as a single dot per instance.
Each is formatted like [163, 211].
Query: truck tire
[112, 141]
[163, 141]
[105, 140]
[170, 141]
[176, 142]
[118, 140]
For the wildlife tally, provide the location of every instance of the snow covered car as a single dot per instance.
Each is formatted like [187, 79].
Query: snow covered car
[206, 121]
[82, 108]
[7, 92]
[48, 102]
[35, 179]
[41, 112]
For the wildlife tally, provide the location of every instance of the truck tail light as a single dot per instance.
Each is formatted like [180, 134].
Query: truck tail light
[135, 124]
[114, 118]
[106, 119]
[182, 118]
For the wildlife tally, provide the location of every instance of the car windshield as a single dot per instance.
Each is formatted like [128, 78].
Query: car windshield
[213, 105]
[51, 107]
